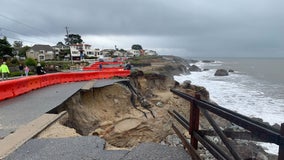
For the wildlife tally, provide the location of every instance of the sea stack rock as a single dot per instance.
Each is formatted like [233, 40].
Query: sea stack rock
[194, 68]
[221, 72]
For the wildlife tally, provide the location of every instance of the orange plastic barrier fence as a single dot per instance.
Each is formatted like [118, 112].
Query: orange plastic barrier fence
[20, 86]
[6, 90]
[15, 87]
[54, 78]
[34, 82]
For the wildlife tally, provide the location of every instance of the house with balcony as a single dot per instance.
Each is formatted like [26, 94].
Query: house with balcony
[79, 51]
[40, 52]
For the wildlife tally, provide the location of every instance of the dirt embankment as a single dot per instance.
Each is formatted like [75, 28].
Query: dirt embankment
[109, 112]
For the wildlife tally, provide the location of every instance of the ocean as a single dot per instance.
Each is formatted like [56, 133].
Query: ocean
[254, 89]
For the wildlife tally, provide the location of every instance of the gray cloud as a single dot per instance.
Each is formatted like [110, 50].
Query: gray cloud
[194, 28]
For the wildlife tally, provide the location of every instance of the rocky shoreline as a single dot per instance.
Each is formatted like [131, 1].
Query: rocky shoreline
[125, 120]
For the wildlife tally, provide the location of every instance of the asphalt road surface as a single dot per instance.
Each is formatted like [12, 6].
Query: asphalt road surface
[22, 109]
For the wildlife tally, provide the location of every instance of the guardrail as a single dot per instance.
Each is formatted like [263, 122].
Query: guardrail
[15, 87]
[256, 131]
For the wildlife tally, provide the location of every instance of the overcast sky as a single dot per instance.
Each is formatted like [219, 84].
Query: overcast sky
[194, 28]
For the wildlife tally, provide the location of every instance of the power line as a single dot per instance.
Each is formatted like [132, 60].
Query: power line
[20, 33]
[20, 39]
[12, 31]
[11, 19]
[26, 25]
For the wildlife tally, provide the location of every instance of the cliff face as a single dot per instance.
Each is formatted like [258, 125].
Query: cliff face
[124, 119]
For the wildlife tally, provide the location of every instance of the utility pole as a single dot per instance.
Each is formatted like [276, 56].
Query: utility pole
[67, 31]
[68, 42]
[1, 33]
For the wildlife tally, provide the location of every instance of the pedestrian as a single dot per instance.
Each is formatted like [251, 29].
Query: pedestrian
[27, 70]
[101, 66]
[39, 69]
[21, 68]
[128, 66]
[5, 71]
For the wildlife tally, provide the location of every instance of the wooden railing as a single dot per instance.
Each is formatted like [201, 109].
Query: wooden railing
[255, 131]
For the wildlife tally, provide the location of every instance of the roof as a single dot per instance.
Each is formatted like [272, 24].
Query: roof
[81, 44]
[38, 47]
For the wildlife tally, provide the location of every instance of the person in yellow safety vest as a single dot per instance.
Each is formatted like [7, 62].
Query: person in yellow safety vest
[5, 70]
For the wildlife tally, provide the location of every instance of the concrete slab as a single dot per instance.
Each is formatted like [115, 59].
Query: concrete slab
[89, 85]
[87, 148]
[90, 148]
[154, 151]
[107, 82]
[11, 142]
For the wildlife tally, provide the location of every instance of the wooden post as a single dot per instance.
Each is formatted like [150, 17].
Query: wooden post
[281, 145]
[194, 122]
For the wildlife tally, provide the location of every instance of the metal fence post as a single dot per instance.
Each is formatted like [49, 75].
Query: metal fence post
[194, 122]
[281, 145]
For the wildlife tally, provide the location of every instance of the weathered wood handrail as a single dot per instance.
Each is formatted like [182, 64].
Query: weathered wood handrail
[260, 131]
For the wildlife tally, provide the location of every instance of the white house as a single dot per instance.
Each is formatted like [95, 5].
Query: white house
[97, 52]
[151, 53]
[134, 53]
[79, 50]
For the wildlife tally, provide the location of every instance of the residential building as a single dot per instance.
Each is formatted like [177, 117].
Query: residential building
[151, 53]
[98, 52]
[78, 51]
[59, 48]
[40, 52]
[134, 53]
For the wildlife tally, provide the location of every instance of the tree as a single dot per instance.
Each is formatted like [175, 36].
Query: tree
[63, 53]
[5, 47]
[60, 44]
[18, 44]
[23, 50]
[136, 47]
[73, 39]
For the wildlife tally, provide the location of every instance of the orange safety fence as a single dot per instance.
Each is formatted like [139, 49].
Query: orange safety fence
[34, 82]
[15, 87]
[20, 86]
[6, 90]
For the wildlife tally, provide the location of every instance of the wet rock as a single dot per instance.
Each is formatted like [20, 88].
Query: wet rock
[186, 84]
[221, 72]
[261, 156]
[194, 68]
[230, 70]
[208, 61]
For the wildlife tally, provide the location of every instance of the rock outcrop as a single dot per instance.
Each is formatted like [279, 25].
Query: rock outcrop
[221, 72]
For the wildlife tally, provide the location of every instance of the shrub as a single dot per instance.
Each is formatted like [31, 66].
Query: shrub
[30, 62]
[14, 61]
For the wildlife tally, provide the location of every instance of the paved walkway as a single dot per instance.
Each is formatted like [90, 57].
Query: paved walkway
[92, 148]
[22, 109]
